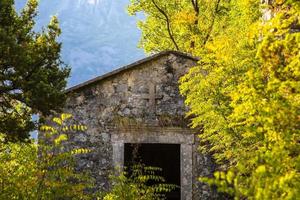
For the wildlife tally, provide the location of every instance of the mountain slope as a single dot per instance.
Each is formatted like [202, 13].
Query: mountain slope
[97, 35]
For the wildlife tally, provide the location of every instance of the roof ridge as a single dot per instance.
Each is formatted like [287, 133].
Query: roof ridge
[129, 66]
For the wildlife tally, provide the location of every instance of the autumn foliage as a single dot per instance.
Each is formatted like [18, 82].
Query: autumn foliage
[44, 170]
[245, 90]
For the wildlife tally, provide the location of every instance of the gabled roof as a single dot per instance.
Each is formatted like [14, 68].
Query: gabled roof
[127, 67]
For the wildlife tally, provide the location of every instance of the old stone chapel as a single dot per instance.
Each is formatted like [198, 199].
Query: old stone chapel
[140, 104]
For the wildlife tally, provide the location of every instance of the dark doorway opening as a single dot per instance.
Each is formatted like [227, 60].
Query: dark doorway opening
[164, 156]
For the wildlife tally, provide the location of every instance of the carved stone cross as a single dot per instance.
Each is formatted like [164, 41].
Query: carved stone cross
[152, 96]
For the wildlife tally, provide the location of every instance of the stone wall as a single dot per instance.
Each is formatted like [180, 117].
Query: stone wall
[134, 100]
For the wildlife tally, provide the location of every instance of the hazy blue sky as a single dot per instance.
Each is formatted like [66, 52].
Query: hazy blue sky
[97, 35]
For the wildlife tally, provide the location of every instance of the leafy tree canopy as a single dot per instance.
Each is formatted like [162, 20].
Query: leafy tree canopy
[32, 75]
[46, 170]
[245, 91]
[184, 25]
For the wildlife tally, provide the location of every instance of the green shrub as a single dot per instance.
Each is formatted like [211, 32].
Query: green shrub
[43, 170]
[142, 184]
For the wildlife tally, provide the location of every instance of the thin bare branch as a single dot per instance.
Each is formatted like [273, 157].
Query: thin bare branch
[168, 24]
[195, 6]
[196, 9]
[212, 23]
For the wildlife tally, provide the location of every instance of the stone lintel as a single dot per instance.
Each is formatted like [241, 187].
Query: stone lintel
[163, 136]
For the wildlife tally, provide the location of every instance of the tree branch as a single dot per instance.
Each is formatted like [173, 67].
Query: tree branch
[212, 23]
[196, 9]
[195, 6]
[168, 24]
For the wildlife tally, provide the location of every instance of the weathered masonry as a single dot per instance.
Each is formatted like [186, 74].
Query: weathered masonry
[140, 104]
